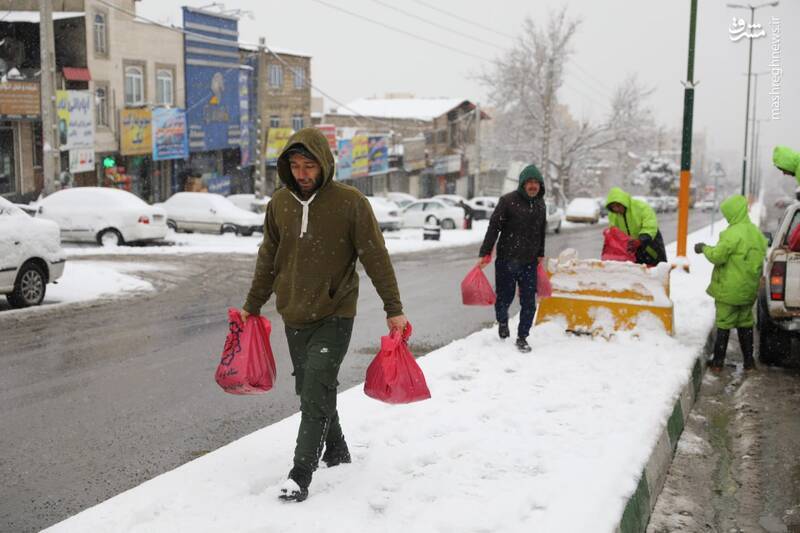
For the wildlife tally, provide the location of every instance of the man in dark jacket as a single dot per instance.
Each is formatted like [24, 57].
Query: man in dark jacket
[520, 219]
[314, 230]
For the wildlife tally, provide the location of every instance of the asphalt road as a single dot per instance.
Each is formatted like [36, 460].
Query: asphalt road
[97, 398]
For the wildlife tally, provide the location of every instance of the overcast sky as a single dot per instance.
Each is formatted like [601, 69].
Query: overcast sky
[353, 58]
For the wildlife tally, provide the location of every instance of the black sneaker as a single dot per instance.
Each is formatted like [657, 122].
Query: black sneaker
[523, 346]
[502, 330]
[749, 363]
[336, 455]
[295, 488]
[715, 365]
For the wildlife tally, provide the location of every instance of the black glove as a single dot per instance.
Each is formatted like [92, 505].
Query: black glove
[645, 239]
[698, 248]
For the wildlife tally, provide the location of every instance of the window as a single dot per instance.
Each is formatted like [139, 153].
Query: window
[297, 122]
[275, 76]
[299, 78]
[274, 121]
[164, 87]
[134, 86]
[101, 105]
[100, 34]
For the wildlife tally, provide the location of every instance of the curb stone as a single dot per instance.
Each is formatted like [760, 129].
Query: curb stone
[640, 505]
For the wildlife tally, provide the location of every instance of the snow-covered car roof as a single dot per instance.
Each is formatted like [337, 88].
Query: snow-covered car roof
[94, 196]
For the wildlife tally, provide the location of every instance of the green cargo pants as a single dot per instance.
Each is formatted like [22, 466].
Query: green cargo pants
[733, 316]
[317, 352]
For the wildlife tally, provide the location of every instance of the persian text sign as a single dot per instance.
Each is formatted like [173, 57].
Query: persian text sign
[75, 112]
[169, 134]
[20, 99]
[360, 156]
[137, 132]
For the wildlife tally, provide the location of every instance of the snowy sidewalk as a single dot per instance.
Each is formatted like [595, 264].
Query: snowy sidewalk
[552, 441]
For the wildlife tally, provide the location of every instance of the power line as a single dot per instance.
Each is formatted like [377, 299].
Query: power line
[398, 30]
[462, 19]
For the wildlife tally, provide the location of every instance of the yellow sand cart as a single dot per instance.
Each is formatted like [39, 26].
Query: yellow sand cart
[600, 297]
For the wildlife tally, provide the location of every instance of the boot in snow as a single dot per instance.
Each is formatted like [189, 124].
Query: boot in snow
[295, 488]
[336, 454]
[523, 346]
[502, 330]
[720, 347]
[746, 342]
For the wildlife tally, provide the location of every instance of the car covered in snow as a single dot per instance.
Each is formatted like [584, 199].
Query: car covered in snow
[554, 216]
[402, 199]
[207, 212]
[104, 215]
[386, 212]
[417, 214]
[483, 206]
[30, 255]
[583, 210]
[452, 199]
[778, 305]
[249, 202]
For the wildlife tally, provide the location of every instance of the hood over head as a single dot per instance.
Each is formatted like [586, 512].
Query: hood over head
[313, 142]
[734, 209]
[617, 195]
[530, 173]
[786, 159]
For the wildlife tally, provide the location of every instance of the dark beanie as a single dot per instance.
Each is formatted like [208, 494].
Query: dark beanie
[300, 149]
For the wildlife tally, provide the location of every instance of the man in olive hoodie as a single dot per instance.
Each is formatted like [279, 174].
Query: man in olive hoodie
[314, 231]
[520, 219]
[737, 260]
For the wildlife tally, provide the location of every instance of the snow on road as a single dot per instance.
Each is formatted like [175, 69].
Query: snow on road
[552, 441]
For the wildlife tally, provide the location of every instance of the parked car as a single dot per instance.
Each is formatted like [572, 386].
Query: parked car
[209, 213]
[672, 203]
[554, 216]
[482, 206]
[583, 210]
[402, 199]
[706, 206]
[104, 215]
[28, 208]
[449, 216]
[778, 304]
[603, 209]
[452, 199]
[249, 202]
[386, 212]
[30, 255]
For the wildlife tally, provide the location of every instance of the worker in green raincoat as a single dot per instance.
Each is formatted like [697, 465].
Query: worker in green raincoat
[737, 259]
[787, 161]
[638, 221]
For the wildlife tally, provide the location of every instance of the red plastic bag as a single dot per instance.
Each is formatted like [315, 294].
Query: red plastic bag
[394, 376]
[794, 239]
[615, 246]
[476, 289]
[543, 287]
[247, 365]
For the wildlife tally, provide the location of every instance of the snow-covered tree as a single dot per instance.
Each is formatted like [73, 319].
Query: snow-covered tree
[658, 175]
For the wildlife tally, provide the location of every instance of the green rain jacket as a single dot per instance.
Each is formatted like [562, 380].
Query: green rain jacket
[639, 217]
[787, 159]
[308, 256]
[737, 257]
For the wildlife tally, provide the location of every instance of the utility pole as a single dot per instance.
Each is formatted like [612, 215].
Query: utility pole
[261, 124]
[753, 136]
[478, 147]
[50, 147]
[686, 141]
[548, 98]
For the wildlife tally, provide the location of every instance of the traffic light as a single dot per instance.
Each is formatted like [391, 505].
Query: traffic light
[109, 162]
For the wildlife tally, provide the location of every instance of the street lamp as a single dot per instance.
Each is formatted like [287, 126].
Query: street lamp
[752, 9]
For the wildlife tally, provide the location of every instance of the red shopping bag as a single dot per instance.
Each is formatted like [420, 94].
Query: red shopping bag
[615, 246]
[543, 287]
[247, 365]
[394, 376]
[476, 289]
[794, 239]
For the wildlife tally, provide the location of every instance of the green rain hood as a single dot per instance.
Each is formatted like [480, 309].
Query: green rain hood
[737, 257]
[787, 159]
[639, 217]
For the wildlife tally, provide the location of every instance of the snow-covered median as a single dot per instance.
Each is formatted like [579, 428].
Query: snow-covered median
[550, 441]
[404, 240]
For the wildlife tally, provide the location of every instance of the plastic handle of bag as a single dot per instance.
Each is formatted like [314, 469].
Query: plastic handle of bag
[402, 336]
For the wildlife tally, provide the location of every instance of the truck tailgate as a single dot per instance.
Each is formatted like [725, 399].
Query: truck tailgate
[792, 294]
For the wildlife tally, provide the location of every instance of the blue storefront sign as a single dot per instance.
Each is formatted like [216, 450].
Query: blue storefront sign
[169, 134]
[211, 55]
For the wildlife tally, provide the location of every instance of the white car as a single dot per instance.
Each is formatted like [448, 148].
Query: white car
[386, 212]
[416, 214]
[452, 199]
[30, 255]
[554, 216]
[104, 215]
[583, 210]
[249, 202]
[209, 213]
[483, 206]
[402, 199]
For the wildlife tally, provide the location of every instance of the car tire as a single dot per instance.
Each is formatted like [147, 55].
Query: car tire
[171, 224]
[448, 223]
[246, 232]
[773, 342]
[110, 237]
[29, 287]
[228, 228]
[558, 228]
